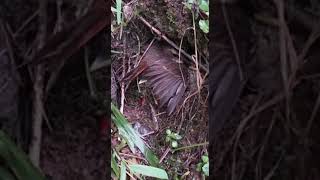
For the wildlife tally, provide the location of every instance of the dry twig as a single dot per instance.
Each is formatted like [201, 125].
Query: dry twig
[164, 37]
[35, 147]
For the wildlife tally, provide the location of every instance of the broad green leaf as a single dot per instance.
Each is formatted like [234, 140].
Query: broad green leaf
[168, 131]
[128, 133]
[204, 6]
[5, 174]
[168, 139]
[114, 166]
[204, 25]
[174, 144]
[177, 136]
[199, 167]
[205, 169]
[123, 175]
[149, 171]
[205, 159]
[17, 161]
[123, 133]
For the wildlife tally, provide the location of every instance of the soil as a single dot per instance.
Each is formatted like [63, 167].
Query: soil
[75, 148]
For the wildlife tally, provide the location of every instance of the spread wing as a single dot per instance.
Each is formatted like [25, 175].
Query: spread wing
[164, 75]
[168, 81]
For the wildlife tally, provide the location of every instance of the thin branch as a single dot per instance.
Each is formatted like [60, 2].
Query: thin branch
[35, 147]
[164, 37]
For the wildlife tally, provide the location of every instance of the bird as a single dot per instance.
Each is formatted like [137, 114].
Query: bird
[165, 74]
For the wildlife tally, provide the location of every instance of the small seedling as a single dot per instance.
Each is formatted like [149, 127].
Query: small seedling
[172, 138]
[203, 7]
[203, 166]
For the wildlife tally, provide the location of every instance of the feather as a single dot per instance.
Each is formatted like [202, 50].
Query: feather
[163, 74]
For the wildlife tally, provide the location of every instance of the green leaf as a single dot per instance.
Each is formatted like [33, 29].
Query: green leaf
[199, 167]
[5, 174]
[205, 159]
[204, 6]
[189, 4]
[123, 133]
[176, 136]
[168, 131]
[128, 133]
[114, 166]
[174, 144]
[204, 25]
[16, 161]
[123, 174]
[149, 171]
[205, 169]
[113, 9]
[118, 7]
[168, 139]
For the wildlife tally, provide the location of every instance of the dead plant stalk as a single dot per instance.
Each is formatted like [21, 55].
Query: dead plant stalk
[35, 147]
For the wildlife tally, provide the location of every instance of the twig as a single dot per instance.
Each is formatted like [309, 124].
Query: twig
[35, 14]
[264, 144]
[238, 133]
[122, 85]
[45, 116]
[58, 27]
[196, 60]
[191, 146]
[272, 171]
[164, 37]
[136, 65]
[35, 147]
[88, 74]
[313, 116]
[154, 117]
[283, 53]
[164, 155]
[180, 48]
[234, 45]
[133, 156]
[10, 53]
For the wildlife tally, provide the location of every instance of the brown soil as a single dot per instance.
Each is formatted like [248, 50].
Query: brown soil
[75, 148]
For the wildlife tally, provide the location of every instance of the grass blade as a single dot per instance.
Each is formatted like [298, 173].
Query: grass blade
[149, 171]
[129, 134]
[17, 161]
[118, 7]
[123, 175]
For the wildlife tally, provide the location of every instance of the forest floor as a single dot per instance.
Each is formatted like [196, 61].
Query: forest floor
[140, 108]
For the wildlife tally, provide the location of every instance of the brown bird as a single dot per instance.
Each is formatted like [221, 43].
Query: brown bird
[163, 72]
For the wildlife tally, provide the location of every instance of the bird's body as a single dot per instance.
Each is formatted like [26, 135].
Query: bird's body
[164, 74]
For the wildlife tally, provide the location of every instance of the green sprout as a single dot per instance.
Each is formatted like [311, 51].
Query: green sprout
[203, 166]
[172, 138]
[202, 6]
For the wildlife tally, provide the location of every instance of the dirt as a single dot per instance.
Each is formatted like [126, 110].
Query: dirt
[75, 147]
